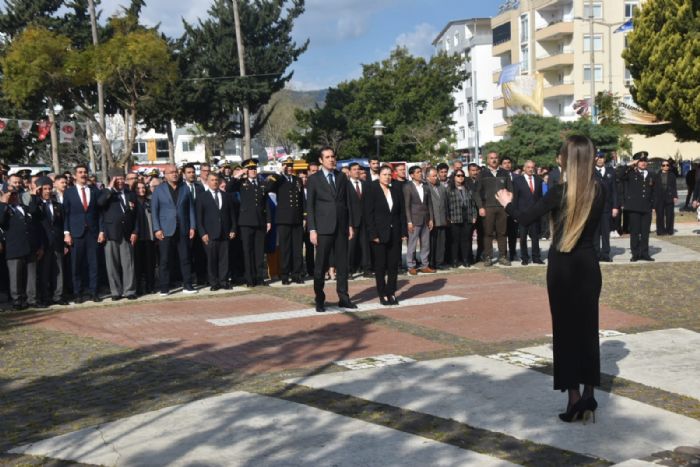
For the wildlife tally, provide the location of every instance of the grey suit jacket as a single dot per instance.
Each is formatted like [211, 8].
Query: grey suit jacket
[438, 199]
[417, 212]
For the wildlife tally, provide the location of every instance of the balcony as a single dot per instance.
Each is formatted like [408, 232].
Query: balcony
[555, 31]
[562, 89]
[559, 60]
[499, 102]
[500, 129]
[500, 49]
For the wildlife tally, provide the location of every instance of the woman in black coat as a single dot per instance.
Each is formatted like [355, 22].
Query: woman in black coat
[386, 227]
[666, 197]
[573, 274]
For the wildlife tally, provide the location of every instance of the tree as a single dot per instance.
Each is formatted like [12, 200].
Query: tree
[530, 137]
[217, 89]
[282, 108]
[412, 97]
[662, 58]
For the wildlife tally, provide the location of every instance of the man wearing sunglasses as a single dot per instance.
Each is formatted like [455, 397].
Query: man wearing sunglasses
[666, 197]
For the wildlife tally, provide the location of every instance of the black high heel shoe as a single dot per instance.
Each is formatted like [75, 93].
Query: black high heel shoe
[575, 411]
[589, 409]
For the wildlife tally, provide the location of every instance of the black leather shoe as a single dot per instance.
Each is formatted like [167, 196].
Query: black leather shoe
[249, 285]
[393, 300]
[131, 297]
[39, 305]
[524, 262]
[62, 301]
[299, 280]
[634, 259]
[320, 308]
[214, 288]
[347, 304]
[537, 261]
[647, 258]
[78, 300]
[226, 287]
[116, 298]
[383, 301]
[95, 298]
[286, 282]
[605, 259]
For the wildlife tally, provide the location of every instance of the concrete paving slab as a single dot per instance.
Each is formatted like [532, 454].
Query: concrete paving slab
[498, 396]
[242, 429]
[666, 359]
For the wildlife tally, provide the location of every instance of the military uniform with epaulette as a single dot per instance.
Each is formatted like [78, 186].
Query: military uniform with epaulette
[638, 196]
[289, 221]
[253, 218]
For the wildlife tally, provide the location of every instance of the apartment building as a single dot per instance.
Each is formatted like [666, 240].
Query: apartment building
[473, 117]
[553, 37]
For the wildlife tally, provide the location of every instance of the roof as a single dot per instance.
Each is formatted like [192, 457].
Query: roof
[459, 21]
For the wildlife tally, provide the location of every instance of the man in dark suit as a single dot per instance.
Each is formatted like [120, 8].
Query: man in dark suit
[81, 229]
[512, 229]
[527, 190]
[216, 223]
[492, 179]
[555, 173]
[666, 197]
[289, 219]
[606, 176]
[329, 222]
[358, 247]
[639, 195]
[474, 171]
[309, 249]
[23, 245]
[51, 218]
[174, 223]
[254, 221]
[419, 216]
[120, 229]
[199, 256]
[438, 236]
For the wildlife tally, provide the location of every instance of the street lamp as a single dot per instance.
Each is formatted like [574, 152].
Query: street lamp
[378, 128]
[479, 107]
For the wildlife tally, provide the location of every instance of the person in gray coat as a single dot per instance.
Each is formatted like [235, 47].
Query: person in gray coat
[419, 215]
[438, 236]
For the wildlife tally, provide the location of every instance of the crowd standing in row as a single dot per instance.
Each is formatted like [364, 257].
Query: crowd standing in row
[64, 233]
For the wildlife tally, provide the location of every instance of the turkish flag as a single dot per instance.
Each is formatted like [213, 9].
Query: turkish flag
[44, 128]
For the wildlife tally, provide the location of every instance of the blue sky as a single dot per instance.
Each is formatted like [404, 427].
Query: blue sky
[344, 33]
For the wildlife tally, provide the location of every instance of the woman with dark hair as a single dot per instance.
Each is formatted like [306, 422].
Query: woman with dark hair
[145, 249]
[573, 274]
[461, 212]
[386, 228]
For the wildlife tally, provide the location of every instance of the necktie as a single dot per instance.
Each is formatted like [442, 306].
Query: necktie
[217, 200]
[47, 210]
[357, 189]
[532, 186]
[331, 180]
[192, 191]
[120, 194]
[85, 202]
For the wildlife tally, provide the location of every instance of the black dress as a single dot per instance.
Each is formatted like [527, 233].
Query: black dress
[573, 285]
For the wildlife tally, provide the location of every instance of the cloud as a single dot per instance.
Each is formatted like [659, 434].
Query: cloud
[167, 13]
[337, 20]
[419, 41]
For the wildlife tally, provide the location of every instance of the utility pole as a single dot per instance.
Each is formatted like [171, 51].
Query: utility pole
[100, 96]
[241, 64]
[591, 18]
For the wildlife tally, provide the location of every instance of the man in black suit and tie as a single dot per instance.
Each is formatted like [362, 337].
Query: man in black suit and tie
[328, 218]
[527, 190]
[358, 248]
[638, 201]
[199, 256]
[289, 219]
[81, 229]
[216, 224]
[119, 230]
[606, 176]
[51, 217]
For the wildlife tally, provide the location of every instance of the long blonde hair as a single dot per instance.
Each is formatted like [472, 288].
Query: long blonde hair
[577, 160]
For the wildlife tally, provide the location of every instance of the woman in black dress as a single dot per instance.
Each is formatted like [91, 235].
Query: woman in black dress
[386, 228]
[462, 212]
[573, 274]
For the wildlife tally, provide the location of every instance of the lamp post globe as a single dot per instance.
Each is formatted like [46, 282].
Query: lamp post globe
[378, 128]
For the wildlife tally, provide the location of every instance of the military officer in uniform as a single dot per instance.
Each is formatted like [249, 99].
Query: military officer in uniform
[606, 177]
[254, 220]
[290, 222]
[638, 187]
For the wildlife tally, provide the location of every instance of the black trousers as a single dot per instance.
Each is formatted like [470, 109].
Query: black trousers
[253, 241]
[51, 274]
[665, 216]
[309, 254]
[689, 196]
[166, 248]
[199, 261]
[4, 274]
[145, 266]
[360, 256]
[479, 227]
[291, 242]
[532, 231]
[335, 245]
[84, 258]
[601, 242]
[386, 264]
[236, 263]
[461, 245]
[512, 229]
[438, 246]
[640, 223]
[217, 261]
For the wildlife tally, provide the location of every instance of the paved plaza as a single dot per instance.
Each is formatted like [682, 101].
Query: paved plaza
[458, 374]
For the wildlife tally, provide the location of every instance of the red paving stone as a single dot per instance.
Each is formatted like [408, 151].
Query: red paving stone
[496, 309]
[179, 328]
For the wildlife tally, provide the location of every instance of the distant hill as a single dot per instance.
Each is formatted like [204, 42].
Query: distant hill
[308, 99]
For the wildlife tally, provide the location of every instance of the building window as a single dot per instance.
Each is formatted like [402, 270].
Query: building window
[629, 8]
[524, 29]
[461, 134]
[524, 58]
[162, 149]
[597, 42]
[447, 44]
[597, 10]
[501, 33]
[188, 146]
[456, 39]
[139, 147]
[460, 109]
[598, 73]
